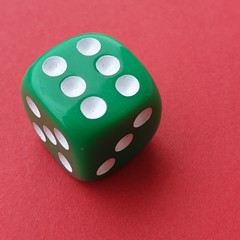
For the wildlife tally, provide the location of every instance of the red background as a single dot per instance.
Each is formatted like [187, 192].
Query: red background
[186, 183]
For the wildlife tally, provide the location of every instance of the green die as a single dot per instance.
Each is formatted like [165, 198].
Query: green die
[92, 103]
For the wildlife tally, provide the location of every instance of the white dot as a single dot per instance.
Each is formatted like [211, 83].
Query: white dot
[88, 46]
[93, 107]
[64, 162]
[33, 107]
[108, 65]
[61, 138]
[73, 86]
[124, 142]
[49, 135]
[39, 132]
[143, 117]
[54, 66]
[106, 166]
[127, 85]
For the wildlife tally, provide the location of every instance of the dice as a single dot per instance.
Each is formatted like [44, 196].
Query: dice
[92, 103]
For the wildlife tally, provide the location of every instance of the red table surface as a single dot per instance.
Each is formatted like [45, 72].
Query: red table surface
[186, 183]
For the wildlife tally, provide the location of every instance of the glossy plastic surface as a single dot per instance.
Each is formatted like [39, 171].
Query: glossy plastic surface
[92, 141]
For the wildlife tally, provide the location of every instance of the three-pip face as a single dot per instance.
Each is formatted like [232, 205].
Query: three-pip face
[92, 103]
